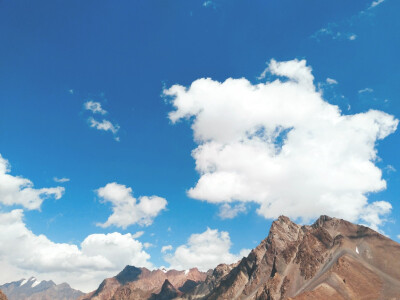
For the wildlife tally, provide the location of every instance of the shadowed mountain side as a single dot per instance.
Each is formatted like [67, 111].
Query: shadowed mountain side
[168, 291]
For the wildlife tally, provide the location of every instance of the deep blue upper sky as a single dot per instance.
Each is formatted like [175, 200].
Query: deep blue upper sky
[57, 55]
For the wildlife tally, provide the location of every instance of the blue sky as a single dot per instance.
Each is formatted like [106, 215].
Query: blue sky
[87, 89]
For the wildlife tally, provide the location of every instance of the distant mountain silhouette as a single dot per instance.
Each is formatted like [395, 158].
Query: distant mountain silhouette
[33, 289]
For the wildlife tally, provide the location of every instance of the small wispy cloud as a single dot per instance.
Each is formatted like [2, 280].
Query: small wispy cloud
[61, 180]
[352, 37]
[71, 91]
[331, 81]
[166, 248]
[137, 234]
[209, 4]
[366, 90]
[376, 3]
[390, 169]
[338, 31]
[147, 245]
[227, 211]
[105, 125]
[94, 107]
[332, 31]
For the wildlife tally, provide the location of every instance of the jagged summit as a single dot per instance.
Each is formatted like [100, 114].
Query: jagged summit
[129, 273]
[168, 291]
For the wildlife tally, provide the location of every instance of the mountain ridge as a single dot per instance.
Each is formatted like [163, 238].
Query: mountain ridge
[330, 259]
[33, 289]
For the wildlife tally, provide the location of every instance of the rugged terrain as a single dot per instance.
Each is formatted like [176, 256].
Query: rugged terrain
[331, 259]
[32, 289]
[141, 283]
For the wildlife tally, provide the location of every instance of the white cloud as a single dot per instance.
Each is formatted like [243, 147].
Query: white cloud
[331, 81]
[352, 37]
[128, 210]
[366, 90]
[22, 254]
[204, 251]
[137, 234]
[390, 169]
[166, 248]
[94, 107]
[281, 145]
[209, 3]
[147, 245]
[332, 30]
[376, 3]
[374, 213]
[227, 211]
[340, 30]
[104, 125]
[61, 180]
[16, 190]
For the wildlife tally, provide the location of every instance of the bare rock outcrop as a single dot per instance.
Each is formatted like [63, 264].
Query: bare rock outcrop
[331, 259]
[141, 283]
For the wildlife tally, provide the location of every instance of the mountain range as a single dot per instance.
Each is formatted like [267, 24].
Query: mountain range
[33, 289]
[331, 259]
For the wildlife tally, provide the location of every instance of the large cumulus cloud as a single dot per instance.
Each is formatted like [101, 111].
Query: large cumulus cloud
[281, 145]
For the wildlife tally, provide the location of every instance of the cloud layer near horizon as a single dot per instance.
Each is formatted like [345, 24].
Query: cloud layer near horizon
[98, 256]
[16, 190]
[205, 251]
[281, 145]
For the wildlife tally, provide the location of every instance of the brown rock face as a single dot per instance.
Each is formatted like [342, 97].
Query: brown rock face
[2, 296]
[141, 283]
[332, 259]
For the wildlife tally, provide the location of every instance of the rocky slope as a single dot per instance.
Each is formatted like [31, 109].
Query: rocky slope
[32, 289]
[141, 283]
[2, 296]
[332, 259]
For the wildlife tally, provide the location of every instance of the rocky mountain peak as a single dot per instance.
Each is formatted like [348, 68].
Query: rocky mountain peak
[330, 259]
[168, 291]
[167, 287]
[322, 220]
[129, 273]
